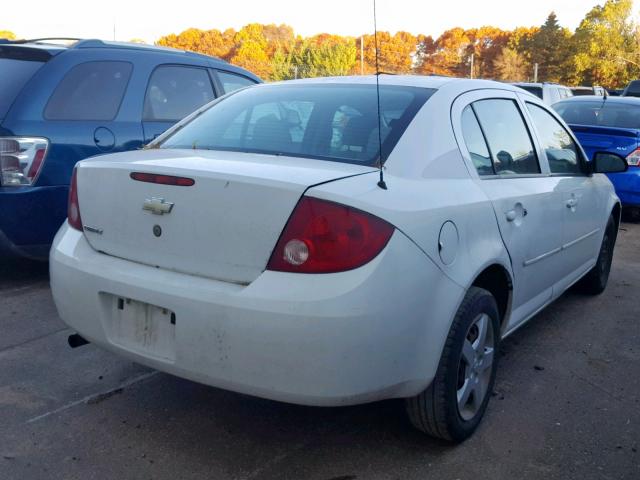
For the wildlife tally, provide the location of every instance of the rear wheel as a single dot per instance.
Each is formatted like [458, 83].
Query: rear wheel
[453, 405]
[595, 282]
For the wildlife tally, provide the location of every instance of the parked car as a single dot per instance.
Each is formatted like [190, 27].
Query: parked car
[595, 90]
[632, 90]
[612, 125]
[253, 247]
[614, 92]
[549, 93]
[60, 104]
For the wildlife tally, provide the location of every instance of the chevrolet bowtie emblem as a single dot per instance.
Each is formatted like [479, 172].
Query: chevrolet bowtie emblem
[157, 206]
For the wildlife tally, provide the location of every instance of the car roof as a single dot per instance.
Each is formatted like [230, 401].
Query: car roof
[424, 81]
[53, 46]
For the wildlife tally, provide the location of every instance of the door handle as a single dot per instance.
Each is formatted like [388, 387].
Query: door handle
[511, 215]
[572, 202]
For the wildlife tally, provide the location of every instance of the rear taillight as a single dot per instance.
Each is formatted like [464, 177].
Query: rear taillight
[327, 237]
[633, 158]
[21, 160]
[73, 210]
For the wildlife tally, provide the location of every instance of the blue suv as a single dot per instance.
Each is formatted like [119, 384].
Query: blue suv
[60, 104]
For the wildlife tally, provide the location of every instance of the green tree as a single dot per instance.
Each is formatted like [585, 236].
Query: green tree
[607, 51]
[550, 48]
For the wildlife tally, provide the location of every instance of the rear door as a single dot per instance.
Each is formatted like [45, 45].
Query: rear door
[173, 92]
[526, 202]
[582, 231]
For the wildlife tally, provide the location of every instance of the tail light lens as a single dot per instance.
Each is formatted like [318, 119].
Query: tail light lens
[633, 158]
[74, 206]
[327, 237]
[21, 160]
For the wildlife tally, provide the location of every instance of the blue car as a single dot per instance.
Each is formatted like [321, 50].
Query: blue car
[609, 124]
[60, 104]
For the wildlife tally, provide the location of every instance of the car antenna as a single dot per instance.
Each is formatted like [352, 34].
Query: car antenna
[381, 182]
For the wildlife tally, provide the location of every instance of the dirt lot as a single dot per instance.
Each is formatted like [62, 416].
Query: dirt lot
[566, 405]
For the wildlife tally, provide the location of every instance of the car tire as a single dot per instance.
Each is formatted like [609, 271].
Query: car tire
[441, 410]
[595, 281]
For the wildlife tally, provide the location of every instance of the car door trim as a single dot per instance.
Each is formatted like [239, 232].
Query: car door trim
[579, 239]
[530, 262]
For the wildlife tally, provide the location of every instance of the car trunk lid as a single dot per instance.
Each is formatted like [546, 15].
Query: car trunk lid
[622, 141]
[224, 226]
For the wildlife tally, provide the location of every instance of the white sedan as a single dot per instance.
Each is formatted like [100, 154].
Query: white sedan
[254, 248]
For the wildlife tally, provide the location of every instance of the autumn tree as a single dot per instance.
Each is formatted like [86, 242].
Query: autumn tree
[7, 34]
[396, 52]
[449, 55]
[209, 42]
[510, 65]
[486, 43]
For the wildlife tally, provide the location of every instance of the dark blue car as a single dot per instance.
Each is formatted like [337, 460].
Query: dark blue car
[61, 104]
[609, 124]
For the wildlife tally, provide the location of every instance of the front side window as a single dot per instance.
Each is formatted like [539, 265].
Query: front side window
[90, 91]
[508, 138]
[336, 122]
[561, 150]
[175, 91]
[231, 81]
[474, 139]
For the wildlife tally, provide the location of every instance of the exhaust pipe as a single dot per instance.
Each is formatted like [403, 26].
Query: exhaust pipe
[76, 340]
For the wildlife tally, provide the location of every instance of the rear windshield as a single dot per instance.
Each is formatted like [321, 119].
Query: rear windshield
[633, 89]
[330, 122]
[600, 114]
[537, 91]
[14, 74]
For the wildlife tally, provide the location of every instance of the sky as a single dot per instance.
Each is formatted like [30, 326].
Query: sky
[147, 21]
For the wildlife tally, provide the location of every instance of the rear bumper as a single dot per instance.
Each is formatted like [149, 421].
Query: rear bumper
[627, 186]
[29, 219]
[369, 334]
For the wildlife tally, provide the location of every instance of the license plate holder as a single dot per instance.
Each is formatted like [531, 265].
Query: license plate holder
[141, 327]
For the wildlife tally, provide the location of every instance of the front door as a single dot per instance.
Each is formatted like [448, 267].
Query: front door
[582, 234]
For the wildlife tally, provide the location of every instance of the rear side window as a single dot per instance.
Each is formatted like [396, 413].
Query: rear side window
[561, 150]
[15, 74]
[474, 139]
[508, 138]
[175, 91]
[231, 81]
[90, 91]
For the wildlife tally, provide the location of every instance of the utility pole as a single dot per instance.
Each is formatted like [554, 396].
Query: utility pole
[473, 55]
[535, 73]
[362, 55]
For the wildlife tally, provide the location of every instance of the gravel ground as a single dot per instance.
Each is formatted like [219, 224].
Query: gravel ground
[566, 405]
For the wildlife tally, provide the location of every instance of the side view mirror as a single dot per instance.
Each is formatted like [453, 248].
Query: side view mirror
[607, 162]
